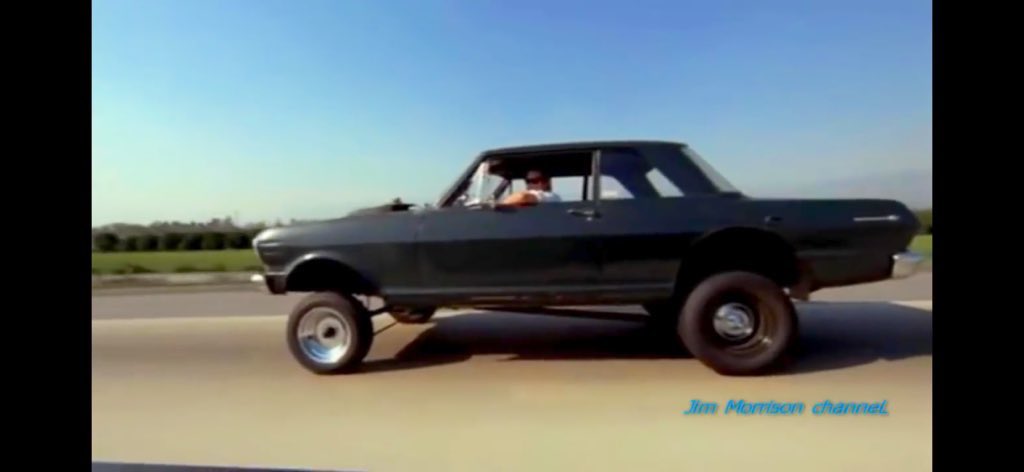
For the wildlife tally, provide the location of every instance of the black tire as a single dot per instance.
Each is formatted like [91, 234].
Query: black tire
[344, 312]
[414, 316]
[737, 347]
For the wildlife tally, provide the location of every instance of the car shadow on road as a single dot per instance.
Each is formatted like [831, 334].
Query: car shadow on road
[837, 335]
[833, 336]
[586, 336]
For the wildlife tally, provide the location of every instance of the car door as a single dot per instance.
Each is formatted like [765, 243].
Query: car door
[645, 224]
[500, 253]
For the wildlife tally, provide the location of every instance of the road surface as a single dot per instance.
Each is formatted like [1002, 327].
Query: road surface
[205, 378]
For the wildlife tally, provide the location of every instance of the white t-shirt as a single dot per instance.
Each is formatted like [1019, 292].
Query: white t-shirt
[545, 196]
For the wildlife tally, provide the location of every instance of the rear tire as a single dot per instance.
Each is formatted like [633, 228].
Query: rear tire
[738, 323]
[329, 333]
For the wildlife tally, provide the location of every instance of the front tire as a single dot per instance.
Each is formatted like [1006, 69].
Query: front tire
[329, 333]
[738, 323]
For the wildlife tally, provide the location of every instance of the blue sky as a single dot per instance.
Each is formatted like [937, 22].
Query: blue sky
[307, 109]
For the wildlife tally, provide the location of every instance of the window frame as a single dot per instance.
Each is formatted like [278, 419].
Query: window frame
[591, 190]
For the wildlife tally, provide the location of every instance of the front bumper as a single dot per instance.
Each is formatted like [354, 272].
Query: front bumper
[906, 264]
[268, 283]
[260, 281]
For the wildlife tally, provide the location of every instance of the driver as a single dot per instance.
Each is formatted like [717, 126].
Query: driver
[538, 189]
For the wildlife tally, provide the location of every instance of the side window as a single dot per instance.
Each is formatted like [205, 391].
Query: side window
[570, 189]
[628, 175]
[568, 172]
[612, 189]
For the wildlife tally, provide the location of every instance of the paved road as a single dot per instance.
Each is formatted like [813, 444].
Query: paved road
[176, 380]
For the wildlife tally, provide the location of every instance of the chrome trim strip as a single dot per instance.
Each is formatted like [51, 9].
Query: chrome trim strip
[865, 219]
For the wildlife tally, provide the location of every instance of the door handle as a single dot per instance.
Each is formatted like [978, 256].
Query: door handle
[588, 213]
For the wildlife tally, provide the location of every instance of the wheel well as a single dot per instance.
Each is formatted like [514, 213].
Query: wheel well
[747, 249]
[324, 274]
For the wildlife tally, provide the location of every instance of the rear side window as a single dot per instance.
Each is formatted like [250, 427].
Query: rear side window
[662, 185]
[612, 189]
[628, 175]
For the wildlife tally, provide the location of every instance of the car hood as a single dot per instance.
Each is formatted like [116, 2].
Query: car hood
[310, 232]
[395, 206]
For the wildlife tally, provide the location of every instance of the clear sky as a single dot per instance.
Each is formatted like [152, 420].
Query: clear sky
[308, 109]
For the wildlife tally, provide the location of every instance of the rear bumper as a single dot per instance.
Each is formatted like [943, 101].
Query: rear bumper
[851, 268]
[906, 264]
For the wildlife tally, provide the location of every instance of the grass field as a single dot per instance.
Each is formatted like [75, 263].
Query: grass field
[923, 245]
[229, 260]
[242, 260]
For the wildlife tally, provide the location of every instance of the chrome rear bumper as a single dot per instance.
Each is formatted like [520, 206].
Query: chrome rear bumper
[906, 264]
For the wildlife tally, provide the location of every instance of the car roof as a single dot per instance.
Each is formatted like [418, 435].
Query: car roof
[577, 146]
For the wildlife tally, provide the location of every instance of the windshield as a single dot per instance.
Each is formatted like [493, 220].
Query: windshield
[716, 179]
[482, 186]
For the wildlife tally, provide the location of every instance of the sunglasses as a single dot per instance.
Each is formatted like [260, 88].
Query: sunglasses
[536, 180]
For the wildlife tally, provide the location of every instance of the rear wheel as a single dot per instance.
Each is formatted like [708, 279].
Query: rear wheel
[329, 333]
[738, 323]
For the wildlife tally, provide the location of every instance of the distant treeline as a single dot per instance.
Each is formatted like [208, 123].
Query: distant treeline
[925, 217]
[217, 233]
[174, 241]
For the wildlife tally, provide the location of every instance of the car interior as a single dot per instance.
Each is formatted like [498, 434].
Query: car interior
[622, 175]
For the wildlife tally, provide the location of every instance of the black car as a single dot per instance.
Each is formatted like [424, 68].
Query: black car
[638, 222]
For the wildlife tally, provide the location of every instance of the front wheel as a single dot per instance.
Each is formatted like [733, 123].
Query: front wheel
[329, 333]
[738, 323]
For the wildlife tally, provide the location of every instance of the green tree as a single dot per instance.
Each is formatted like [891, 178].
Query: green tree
[107, 242]
[191, 242]
[130, 243]
[238, 240]
[171, 241]
[925, 218]
[149, 242]
[213, 241]
[253, 233]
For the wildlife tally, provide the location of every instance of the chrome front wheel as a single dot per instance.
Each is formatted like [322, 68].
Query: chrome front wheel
[324, 335]
[329, 333]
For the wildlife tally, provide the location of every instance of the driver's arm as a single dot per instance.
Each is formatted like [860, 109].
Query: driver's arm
[521, 198]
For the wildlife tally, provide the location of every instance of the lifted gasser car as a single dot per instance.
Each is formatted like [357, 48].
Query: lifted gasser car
[638, 223]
